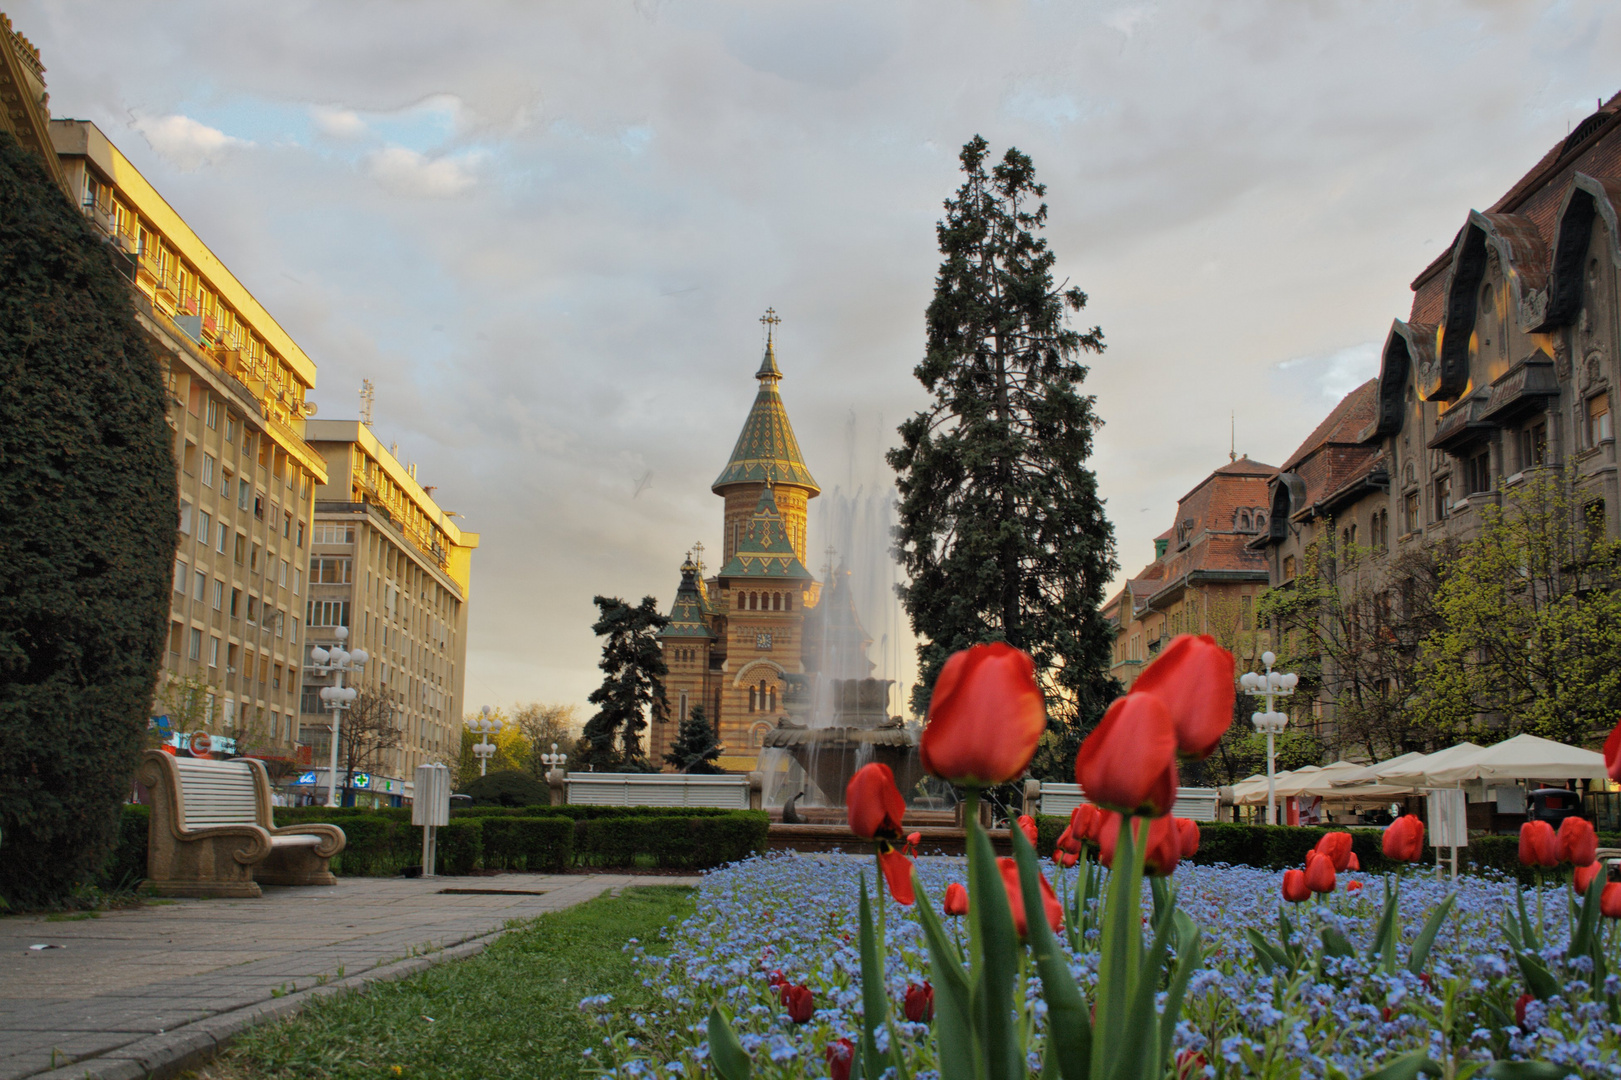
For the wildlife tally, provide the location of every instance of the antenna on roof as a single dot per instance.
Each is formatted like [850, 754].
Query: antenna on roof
[367, 394]
[1232, 451]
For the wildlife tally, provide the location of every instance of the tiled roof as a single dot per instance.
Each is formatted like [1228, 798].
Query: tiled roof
[687, 613]
[1332, 457]
[766, 551]
[766, 451]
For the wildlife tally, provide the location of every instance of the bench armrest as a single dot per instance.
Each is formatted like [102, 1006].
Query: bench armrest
[332, 838]
[255, 849]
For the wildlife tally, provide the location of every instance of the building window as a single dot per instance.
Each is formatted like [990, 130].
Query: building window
[300, 534]
[1443, 497]
[331, 571]
[179, 577]
[1477, 472]
[298, 579]
[1246, 609]
[243, 490]
[327, 613]
[185, 519]
[205, 527]
[1288, 567]
[224, 534]
[1600, 423]
[259, 507]
[230, 429]
[253, 608]
[200, 586]
[286, 524]
[195, 650]
[283, 581]
[213, 414]
[1534, 445]
[219, 595]
[208, 470]
[682, 715]
[213, 651]
[1410, 511]
[751, 699]
[1593, 518]
[253, 560]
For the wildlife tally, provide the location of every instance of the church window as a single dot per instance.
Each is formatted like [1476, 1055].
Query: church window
[773, 699]
[751, 699]
[776, 601]
[683, 713]
[1243, 521]
[787, 601]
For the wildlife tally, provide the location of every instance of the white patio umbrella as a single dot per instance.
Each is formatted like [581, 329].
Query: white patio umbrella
[1524, 757]
[1418, 772]
[1329, 784]
[1377, 770]
[1285, 781]
[1244, 791]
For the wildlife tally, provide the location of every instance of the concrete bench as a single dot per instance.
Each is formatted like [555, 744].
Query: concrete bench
[722, 791]
[1200, 804]
[212, 833]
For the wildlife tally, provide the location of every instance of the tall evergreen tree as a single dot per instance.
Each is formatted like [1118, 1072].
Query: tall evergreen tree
[634, 684]
[88, 508]
[1001, 529]
[696, 747]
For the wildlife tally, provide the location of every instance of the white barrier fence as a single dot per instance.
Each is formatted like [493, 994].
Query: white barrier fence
[663, 789]
[1060, 799]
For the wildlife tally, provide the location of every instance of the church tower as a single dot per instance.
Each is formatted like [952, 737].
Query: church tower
[733, 636]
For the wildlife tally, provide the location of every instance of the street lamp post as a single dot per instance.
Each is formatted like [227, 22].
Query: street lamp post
[338, 662]
[484, 727]
[554, 760]
[1271, 685]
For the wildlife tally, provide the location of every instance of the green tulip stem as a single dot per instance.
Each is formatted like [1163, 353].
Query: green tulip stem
[881, 886]
[970, 823]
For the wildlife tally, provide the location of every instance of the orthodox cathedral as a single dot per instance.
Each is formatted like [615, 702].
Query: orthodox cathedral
[741, 643]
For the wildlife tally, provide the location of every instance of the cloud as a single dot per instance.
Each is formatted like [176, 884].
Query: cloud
[338, 123]
[1331, 376]
[406, 172]
[185, 143]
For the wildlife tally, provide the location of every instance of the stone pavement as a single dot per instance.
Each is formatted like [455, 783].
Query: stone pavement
[157, 989]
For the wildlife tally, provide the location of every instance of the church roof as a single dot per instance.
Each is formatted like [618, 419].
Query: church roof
[765, 550]
[687, 613]
[766, 450]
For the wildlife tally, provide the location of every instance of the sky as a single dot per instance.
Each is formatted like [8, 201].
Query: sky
[546, 231]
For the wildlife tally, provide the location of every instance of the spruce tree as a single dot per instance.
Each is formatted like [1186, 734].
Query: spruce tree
[696, 747]
[633, 685]
[1001, 530]
[88, 509]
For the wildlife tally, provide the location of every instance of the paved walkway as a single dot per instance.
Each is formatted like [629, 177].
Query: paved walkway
[159, 988]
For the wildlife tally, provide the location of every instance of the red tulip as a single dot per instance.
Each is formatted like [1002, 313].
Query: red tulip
[1085, 820]
[1519, 1007]
[897, 870]
[1164, 847]
[775, 979]
[1193, 676]
[1612, 753]
[1189, 1064]
[1353, 886]
[800, 1001]
[1319, 873]
[1129, 762]
[986, 716]
[919, 1003]
[1015, 897]
[1108, 837]
[1069, 841]
[1585, 875]
[956, 901]
[1538, 845]
[1404, 839]
[1187, 831]
[1355, 863]
[1295, 888]
[1337, 846]
[1066, 859]
[1609, 901]
[1578, 843]
[841, 1054]
[1027, 825]
[873, 803]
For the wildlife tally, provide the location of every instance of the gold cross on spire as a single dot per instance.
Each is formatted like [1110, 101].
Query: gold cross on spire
[769, 320]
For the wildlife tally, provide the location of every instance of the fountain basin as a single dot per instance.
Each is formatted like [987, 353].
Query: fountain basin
[831, 755]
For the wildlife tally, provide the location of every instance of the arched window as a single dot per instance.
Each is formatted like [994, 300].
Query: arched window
[754, 601]
[751, 699]
[787, 601]
[741, 601]
[773, 700]
[1244, 521]
[776, 601]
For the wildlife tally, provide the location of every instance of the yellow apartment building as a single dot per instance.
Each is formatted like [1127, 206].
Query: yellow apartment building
[390, 565]
[237, 385]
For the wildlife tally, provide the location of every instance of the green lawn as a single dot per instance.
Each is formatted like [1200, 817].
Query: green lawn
[508, 1012]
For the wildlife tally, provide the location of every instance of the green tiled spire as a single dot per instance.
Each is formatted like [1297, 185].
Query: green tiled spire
[766, 450]
[687, 613]
[766, 551]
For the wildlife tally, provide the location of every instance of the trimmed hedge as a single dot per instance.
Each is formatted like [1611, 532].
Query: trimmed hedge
[528, 843]
[509, 787]
[685, 841]
[587, 813]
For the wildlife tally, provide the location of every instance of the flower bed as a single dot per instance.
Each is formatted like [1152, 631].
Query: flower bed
[1336, 1017]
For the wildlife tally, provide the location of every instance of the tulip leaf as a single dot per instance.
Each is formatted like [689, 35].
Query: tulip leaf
[1524, 1070]
[1383, 945]
[1336, 943]
[1406, 1067]
[874, 999]
[724, 1049]
[1529, 933]
[1121, 946]
[1426, 937]
[1582, 941]
[1189, 956]
[953, 1013]
[1139, 1038]
[1069, 1031]
[999, 963]
[1538, 979]
[1265, 955]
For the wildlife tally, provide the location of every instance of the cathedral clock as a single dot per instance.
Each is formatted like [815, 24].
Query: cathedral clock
[762, 642]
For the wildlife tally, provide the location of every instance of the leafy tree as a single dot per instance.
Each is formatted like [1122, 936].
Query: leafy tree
[542, 725]
[1352, 624]
[511, 749]
[88, 508]
[633, 686]
[696, 746]
[1530, 622]
[1002, 532]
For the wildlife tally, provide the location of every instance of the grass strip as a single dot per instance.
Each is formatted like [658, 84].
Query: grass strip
[511, 1011]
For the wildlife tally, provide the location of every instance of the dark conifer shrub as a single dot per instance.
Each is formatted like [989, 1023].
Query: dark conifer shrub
[87, 537]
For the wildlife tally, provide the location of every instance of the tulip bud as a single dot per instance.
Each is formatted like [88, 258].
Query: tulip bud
[1519, 1007]
[1128, 763]
[1337, 846]
[1584, 875]
[873, 804]
[841, 1054]
[1027, 825]
[1609, 901]
[1319, 873]
[1193, 677]
[1539, 846]
[1578, 843]
[986, 716]
[1404, 839]
[801, 1003]
[956, 900]
[1188, 833]
[1015, 898]
[1295, 889]
[919, 1003]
